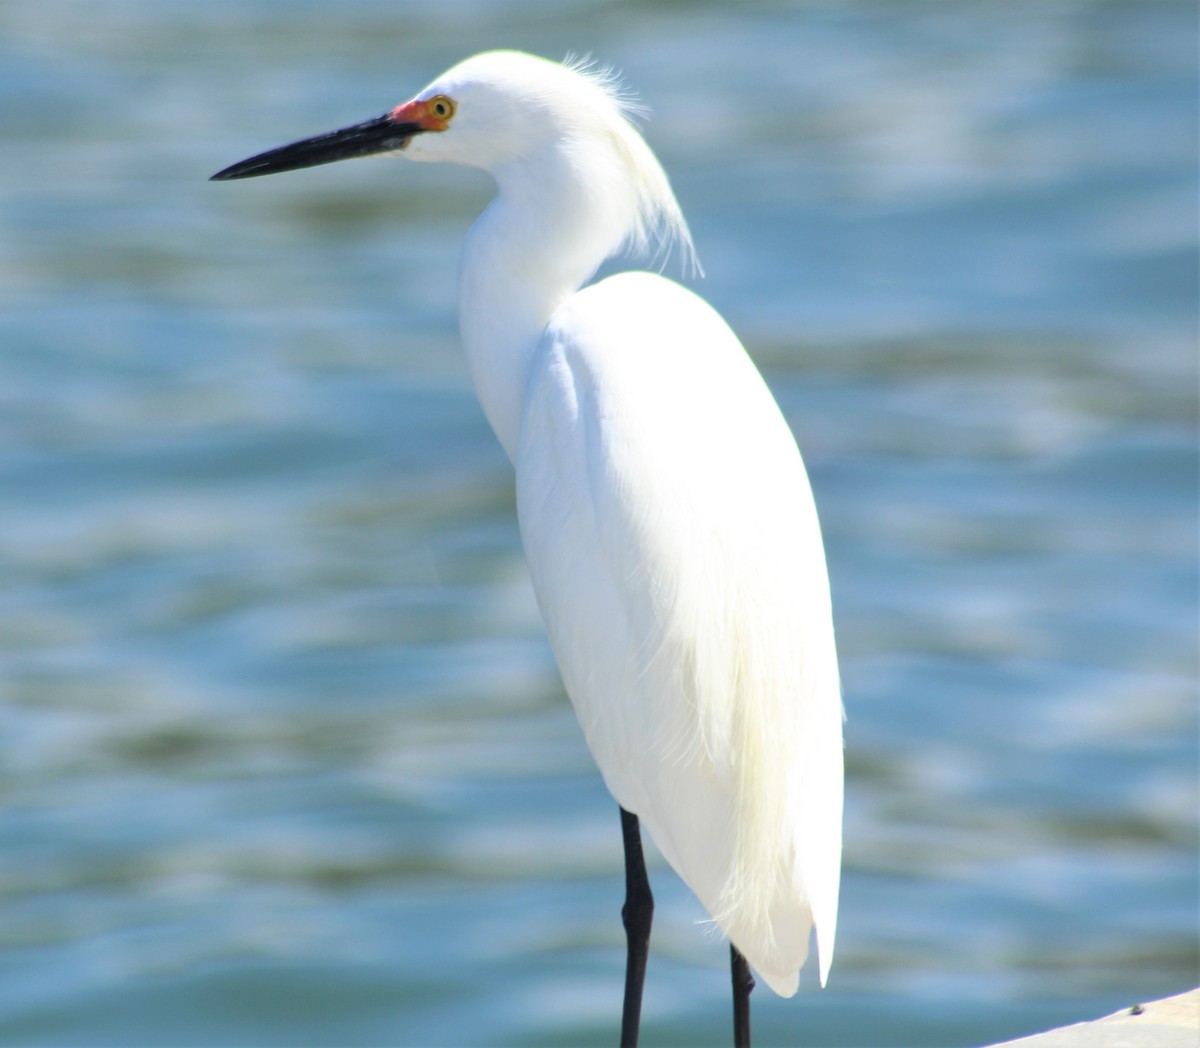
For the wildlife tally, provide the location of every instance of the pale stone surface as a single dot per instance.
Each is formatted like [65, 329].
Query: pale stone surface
[1173, 1022]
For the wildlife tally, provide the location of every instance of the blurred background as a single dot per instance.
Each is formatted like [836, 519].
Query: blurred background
[284, 758]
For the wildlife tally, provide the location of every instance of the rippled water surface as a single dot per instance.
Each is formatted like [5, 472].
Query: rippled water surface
[284, 758]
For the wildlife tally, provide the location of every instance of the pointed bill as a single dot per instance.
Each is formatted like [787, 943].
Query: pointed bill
[383, 134]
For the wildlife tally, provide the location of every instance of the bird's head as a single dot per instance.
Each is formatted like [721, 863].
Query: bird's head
[518, 117]
[502, 106]
[485, 112]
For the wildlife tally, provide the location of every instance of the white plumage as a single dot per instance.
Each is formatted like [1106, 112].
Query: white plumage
[665, 512]
[677, 561]
[664, 507]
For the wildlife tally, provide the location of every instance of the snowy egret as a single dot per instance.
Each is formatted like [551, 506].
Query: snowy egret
[663, 505]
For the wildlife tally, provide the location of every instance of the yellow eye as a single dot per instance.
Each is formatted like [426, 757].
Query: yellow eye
[441, 107]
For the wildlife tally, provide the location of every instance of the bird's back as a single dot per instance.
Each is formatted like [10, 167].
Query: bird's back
[678, 564]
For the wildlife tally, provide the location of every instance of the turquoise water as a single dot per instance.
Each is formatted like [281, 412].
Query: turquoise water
[284, 758]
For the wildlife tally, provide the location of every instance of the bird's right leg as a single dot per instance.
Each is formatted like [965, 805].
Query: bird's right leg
[636, 915]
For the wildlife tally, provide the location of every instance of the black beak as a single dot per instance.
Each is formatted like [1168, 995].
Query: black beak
[381, 135]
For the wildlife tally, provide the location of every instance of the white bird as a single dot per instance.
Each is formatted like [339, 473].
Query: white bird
[663, 504]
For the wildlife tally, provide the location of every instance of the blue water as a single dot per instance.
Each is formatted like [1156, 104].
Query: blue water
[284, 758]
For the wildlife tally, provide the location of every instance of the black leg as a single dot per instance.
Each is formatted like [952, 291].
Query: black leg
[636, 915]
[743, 983]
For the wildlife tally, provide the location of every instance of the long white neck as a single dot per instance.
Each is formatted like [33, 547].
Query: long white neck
[538, 242]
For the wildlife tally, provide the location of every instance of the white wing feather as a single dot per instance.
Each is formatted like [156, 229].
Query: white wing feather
[678, 564]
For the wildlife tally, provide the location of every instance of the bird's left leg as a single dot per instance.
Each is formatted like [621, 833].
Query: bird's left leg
[743, 983]
[636, 915]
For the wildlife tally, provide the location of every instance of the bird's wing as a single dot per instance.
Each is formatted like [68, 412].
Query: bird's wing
[678, 564]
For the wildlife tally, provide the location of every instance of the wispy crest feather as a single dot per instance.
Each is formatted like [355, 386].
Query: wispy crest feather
[659, 226]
